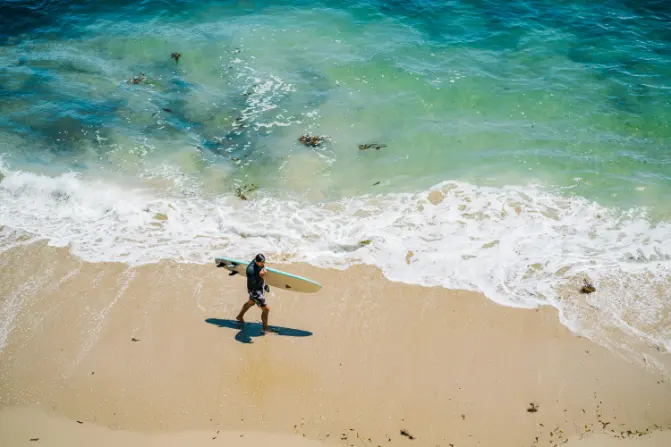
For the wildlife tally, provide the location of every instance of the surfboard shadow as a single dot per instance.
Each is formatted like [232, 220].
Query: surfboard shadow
[250, 330]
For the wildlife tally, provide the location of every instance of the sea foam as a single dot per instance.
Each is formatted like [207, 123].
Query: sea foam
[521, 246]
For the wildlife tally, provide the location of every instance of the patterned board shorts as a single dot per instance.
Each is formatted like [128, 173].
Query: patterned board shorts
[257, 297]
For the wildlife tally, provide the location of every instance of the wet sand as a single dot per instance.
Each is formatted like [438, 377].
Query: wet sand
[155, 350]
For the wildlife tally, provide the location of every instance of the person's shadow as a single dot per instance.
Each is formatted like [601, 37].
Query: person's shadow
[249, 330]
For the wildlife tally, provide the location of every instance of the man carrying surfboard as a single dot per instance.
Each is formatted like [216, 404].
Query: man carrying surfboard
[255, 286]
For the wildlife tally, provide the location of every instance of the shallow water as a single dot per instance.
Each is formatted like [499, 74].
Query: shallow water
[527, 144]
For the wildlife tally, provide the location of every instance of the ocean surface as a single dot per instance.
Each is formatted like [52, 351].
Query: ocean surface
[525, 145]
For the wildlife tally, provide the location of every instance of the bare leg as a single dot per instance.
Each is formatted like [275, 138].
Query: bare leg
[265, 310]
[245, 308]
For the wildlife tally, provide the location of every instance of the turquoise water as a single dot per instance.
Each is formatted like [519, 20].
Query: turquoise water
[527, 143]
[472, 91]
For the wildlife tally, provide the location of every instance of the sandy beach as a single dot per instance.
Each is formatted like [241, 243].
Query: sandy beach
[452, 173]
[19, 425]
[151, 351]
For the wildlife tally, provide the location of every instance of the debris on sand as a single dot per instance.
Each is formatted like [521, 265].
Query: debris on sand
[532, 408]
[376, 146]
[175, 56]
[406, 434]
[587, 287]
[137, 79]
[312, 140]
[34, 439]
[134, 339]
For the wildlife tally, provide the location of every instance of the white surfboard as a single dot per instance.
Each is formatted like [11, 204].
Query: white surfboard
[274, 278]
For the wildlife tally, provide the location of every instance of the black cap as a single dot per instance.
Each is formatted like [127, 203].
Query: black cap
[260, 258]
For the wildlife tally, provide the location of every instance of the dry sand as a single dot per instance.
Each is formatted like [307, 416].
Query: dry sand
[353, 365]
[656, 439]
[20, 425]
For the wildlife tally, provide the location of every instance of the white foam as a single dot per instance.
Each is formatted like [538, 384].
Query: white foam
[264, 92]
[11, 237]
[518, 245]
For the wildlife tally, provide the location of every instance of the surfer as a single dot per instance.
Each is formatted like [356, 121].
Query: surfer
[255, 286]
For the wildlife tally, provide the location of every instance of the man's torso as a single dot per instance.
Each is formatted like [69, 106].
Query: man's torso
[254, 280]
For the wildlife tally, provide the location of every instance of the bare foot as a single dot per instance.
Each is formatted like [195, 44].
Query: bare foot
[240, 319]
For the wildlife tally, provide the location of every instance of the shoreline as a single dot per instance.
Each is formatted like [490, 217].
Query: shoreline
[365, 354]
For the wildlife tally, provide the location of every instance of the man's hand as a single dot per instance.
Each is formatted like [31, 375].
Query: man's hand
[262, 273]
